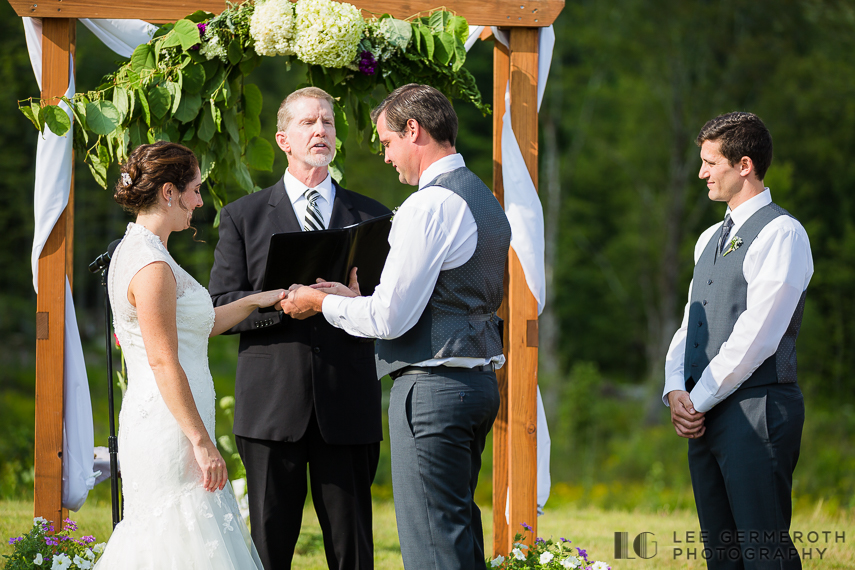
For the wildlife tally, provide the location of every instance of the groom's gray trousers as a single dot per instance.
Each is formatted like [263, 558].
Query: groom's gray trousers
[438, 423]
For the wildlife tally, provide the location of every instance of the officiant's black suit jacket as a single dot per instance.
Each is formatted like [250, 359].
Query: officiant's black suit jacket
[285, 366]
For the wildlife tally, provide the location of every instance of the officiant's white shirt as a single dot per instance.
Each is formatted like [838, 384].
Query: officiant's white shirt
[296, 193]
[778, 268]
[433, 231]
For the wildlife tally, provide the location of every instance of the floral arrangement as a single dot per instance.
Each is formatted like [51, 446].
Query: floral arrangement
[734, 244]
[545, 554]
[60, 551]
[188, 84]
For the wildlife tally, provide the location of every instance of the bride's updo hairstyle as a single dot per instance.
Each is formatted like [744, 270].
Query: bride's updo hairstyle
[149, 167]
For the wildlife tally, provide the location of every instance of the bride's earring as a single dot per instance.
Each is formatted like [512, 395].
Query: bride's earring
[170, 202]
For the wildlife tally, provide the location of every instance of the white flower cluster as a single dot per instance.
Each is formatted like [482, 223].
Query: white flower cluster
[328, 32]
[212, 47]
[272, 27]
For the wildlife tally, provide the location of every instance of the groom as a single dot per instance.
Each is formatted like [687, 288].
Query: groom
[306, 393]
[435, 308]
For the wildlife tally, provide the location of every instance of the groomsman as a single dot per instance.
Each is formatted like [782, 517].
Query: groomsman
[435, 311]
[730, 372]
[306, 393]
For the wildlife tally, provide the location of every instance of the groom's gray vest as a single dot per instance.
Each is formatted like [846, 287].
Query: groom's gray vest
[719, 294]
[460, 317]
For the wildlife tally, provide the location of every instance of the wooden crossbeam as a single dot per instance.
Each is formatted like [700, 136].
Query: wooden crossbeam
[509, 13]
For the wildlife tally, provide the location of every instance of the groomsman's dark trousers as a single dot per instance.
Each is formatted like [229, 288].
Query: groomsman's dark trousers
[742, 476]
[438, 424]
[340, 476]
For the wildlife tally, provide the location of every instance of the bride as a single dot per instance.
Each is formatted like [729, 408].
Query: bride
[180, 511]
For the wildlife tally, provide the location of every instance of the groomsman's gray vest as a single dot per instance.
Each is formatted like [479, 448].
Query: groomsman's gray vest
[719, 294]
[460, 318]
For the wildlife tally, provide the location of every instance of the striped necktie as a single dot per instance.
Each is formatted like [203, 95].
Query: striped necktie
[725, 231]
[314, 220]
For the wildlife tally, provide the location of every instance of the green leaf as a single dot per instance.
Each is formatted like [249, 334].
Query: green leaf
[244, 180]
[199, 16]
[217, 115]
[31, 111]
[120, 100]
[187, 32]
[214, 82]
[251, 126]
[159, 101]
[459, 56]
[399, 32]
[230, 121]
[206, 128]
[235, 52]
[189, 134]
[188, 108]
[336, 168]
[175, 94]
[260, 154]
[56, 119]
[251, 60]
[206, 165]
[102, 117]
[136, 133]
[142, 58]
[458, 27]
[193, 78]
[144, 104]
[98, 164]
[438, 21]
[444, 48]
[341, 124]
[252, 100]
[427, 37]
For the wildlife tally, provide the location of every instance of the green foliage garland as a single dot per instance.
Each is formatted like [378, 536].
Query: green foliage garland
[188, 85]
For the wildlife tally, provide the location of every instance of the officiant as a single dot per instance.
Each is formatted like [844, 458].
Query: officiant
[435, 309]
[306, 393]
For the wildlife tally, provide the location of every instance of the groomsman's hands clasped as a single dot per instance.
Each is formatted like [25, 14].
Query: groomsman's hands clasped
[688, 422]
[303, 301]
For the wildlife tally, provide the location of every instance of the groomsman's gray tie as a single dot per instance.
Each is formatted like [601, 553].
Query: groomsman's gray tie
[725, 231]
[314, 220]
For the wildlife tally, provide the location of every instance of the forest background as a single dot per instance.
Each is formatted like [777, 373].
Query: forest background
[632, 83]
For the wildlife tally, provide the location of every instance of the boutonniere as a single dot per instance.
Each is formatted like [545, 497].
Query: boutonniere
[394, 211]
[733, 246]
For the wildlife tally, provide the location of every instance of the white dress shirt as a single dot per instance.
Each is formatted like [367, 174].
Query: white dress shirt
[778, 267]
[296, 193]
[432, 231]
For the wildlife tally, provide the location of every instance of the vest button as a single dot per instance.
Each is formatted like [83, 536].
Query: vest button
[696, 345]
[700, 323]
[705, 302]
[316, 349]
[709, 282]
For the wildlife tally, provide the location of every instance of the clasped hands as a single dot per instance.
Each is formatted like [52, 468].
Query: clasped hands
[688, 422]
[304, 301]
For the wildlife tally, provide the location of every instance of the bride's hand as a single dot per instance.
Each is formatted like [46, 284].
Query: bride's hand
[267, 298]
[213, 466]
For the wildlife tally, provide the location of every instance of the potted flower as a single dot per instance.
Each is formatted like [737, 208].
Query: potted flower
[39, 549]
[547, 555]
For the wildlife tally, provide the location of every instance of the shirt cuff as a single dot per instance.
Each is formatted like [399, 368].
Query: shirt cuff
[671, 384]
[703, 399]
[333, 310]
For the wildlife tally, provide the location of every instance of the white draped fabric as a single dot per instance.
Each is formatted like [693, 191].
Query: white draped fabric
[51, 192]
[525, 214]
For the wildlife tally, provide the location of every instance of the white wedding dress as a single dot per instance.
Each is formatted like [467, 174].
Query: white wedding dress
[170, 520]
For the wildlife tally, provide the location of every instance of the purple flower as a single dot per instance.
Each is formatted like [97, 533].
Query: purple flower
[16, 539]
[51, 541]
[565, 540]
[527, 527]
[367, 63]
[539, 540]
[583, 553]
[70, 524]
[88, 539]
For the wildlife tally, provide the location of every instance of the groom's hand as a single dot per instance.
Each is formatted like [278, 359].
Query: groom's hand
[687, 422]
[334, 288]
[303, 302]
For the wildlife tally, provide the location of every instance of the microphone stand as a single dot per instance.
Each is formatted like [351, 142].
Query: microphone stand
[102, 264]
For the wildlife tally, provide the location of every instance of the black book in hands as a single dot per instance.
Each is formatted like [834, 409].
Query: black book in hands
[304, 257]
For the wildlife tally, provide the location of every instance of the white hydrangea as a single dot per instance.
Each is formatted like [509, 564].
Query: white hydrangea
[272, 27]
[328, 33]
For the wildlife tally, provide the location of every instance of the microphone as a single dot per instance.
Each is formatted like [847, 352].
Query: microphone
[103, 261]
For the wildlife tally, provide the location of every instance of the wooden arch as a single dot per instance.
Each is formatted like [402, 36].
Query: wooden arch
[515, 430]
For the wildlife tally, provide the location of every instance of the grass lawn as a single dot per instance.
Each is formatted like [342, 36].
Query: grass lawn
[589, 528]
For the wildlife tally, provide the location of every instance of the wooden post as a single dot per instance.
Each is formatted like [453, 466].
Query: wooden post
[522, 338]
[57, 40]
[501, 536]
